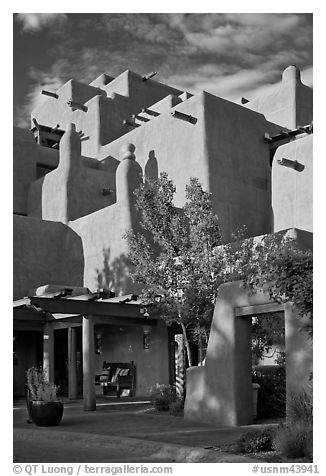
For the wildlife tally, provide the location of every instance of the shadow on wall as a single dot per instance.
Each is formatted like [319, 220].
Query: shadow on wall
[45, 252]
[207, 388]
[115, 274]
[151, 167]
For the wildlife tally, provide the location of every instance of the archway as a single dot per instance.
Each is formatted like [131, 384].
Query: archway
[220, 392]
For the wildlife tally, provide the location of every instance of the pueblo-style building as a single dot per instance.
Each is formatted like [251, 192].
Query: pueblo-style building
[75, 170]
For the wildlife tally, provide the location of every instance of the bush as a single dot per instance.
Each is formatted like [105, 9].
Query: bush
[300, 405]
[295, 440]
[162, 396]
[256, 441]
[272, 392]
[176, 407]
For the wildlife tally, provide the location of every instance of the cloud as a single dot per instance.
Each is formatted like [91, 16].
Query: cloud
[215, 81]
[249, 83]
[34, 98]
[34, 22]
[230, 55]
[240, 33]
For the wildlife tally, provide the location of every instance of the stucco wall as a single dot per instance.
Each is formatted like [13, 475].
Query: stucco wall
[27, 154]
[57, 111]
[24, 167]
[102, 232]
[125, 343]
[239, 166]
[105, 251]
[224, 149]
[73, 189]
[45, 252]
[178, 147]
[140, 93]
[220, 392]
[292, 190]
[107, 107]
[290, 104]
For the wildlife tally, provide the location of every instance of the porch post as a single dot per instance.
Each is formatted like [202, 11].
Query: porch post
[88, 364]
[48, 350]
[72, 363]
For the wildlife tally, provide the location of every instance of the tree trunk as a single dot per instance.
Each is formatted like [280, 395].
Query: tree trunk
[200, 351]
[184, 332]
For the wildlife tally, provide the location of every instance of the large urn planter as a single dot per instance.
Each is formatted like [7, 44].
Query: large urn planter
[44, 408]
[45, 413]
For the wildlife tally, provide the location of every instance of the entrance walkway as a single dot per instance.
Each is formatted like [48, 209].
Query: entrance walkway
[121, 430]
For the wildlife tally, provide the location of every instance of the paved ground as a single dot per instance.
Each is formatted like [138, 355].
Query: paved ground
[120, 431]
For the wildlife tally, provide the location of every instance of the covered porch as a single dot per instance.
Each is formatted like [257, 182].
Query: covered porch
[78, 311]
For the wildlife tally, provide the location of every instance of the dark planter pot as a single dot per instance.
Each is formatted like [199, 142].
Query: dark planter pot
[45, 413]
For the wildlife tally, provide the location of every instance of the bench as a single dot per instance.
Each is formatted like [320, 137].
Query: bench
[118, 376]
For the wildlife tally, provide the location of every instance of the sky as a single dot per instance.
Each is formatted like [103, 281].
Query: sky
[231, 55]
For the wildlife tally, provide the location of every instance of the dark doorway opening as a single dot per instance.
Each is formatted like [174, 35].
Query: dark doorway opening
[268, 364]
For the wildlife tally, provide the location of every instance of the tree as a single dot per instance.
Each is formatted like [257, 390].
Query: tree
[173, 255]
[280, 267]
[179, 256]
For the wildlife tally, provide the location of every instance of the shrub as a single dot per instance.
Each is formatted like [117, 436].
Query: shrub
[256, 441]
[300, 406]
[176, 407]
[39, 387]
[271, 395]
[295, 440]
[162, 396]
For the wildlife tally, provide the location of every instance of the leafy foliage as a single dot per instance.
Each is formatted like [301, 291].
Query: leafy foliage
[295, 440]
[176, 407]
[272, 392]
[179, 255]
[256, 441]
[173, 256]
[277, 265]
[162, 396]
[268, 330]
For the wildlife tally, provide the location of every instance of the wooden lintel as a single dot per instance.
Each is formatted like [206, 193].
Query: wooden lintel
[259, 309]
[65, 324]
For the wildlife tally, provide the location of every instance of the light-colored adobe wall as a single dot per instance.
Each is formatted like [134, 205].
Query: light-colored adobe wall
[220, 392]
[289, 105]
[105, 250]
[171, 145]
[26, 155]
[107, 107]
[224, 149]
[140, 93]
[73, 189]
[125, 343]
[239, 166]
[45, 252]
[292, 190]
[57, 111]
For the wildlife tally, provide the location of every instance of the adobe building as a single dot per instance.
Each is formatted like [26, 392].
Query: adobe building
[89, 148]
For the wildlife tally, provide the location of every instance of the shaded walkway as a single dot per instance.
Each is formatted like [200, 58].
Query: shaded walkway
[121, 432]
